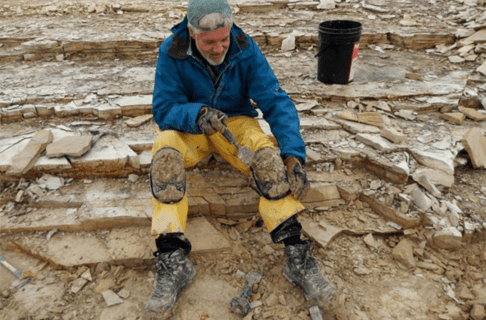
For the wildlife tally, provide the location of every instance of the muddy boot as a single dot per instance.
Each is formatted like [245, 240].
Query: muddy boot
[301, 269]
[174, 272]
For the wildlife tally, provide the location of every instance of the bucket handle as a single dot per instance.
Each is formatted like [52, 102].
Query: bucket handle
[321, 52]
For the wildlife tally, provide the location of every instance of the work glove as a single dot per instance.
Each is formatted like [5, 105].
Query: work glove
[211, 120]
[299, 185]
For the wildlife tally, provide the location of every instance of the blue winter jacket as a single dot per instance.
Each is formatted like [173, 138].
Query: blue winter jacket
[183, 85]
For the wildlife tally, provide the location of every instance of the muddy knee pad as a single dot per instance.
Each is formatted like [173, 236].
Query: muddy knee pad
[269, 173]
[167, 176]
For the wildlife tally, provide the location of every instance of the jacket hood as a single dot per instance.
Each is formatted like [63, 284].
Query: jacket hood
[180, 44]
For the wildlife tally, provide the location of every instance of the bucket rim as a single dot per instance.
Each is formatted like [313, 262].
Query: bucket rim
[355, 25]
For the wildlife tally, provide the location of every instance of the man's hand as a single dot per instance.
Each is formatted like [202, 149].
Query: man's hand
[211, 120]
[299, 185]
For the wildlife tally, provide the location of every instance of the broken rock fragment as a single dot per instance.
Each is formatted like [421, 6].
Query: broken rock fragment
[77, 285]
[472, 114]
[477, 312]
[326, 5]
[427, 184]
[456, 59]
[406, 114]
[454, 117]
[50, 182]
[374, 141]
[421, 200]
[392, 135]
[288, 44]
[111, 298]
[73, 146]
[437, 177]
[462, 292]
[475, 144]
[482, 69]
[138, 121]
[441, 160]
[448, 238]
[403, 253]
[25, 159]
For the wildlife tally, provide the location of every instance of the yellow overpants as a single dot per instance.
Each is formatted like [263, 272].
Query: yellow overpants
[169, 218]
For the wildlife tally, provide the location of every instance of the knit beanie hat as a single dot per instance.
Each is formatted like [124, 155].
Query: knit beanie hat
[199, 8]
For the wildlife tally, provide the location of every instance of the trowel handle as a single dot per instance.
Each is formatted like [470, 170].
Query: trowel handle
[9, 267]
[229, 136]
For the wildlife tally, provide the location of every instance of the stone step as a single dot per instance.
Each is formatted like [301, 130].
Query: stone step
[112, 203]
[124, 89]
[60, 50]
[121, 246]
[124, 37]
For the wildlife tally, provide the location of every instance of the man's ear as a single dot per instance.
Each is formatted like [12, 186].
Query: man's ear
[193, 35]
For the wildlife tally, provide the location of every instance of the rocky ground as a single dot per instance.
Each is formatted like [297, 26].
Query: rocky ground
[395, 213]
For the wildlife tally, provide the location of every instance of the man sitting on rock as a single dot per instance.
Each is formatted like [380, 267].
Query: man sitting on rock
[207, 72]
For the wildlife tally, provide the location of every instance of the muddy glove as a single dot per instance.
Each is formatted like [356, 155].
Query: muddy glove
[211, 120]
[299, 185]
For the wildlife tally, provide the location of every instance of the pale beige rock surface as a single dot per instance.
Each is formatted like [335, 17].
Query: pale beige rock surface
[403, 253]
[74, 146]
[25, 159]
[138, 121]
[448, 238]
[475, 144]
[473, 114]
[454, 117]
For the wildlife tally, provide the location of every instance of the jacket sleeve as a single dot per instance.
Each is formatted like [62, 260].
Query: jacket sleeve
[277, 107]
[170, 105]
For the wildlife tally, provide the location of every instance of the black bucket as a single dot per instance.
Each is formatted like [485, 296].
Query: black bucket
[338, 50]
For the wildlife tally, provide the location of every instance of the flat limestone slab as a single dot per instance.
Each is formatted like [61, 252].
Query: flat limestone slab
[443, 160]
[65, 219]
[53, 164]
[454, 117]
[453, 82]
[318, 123]
[10, 150]
[473, 114]
[25, 159]
[321, 232]
[73, 249]
[138, 121]
[108, 154]
[139, 141]
[135, 105]
[375, 141]
[204, 237]
[322, 195]
[74, 146]
[355, 127]
[390, 214]
[127, 246]
[393, 135]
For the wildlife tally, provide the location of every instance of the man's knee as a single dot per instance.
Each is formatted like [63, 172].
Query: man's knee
[167, 176]
[270, 175]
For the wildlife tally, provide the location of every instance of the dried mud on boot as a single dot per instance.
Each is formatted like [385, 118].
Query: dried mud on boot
[174, 272]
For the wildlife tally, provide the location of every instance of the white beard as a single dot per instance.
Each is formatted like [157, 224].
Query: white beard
[212, 61]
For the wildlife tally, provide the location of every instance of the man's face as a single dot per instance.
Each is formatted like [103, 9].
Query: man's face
[213, 45]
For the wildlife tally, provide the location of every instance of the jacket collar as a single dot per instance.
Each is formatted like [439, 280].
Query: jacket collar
[180, 44]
